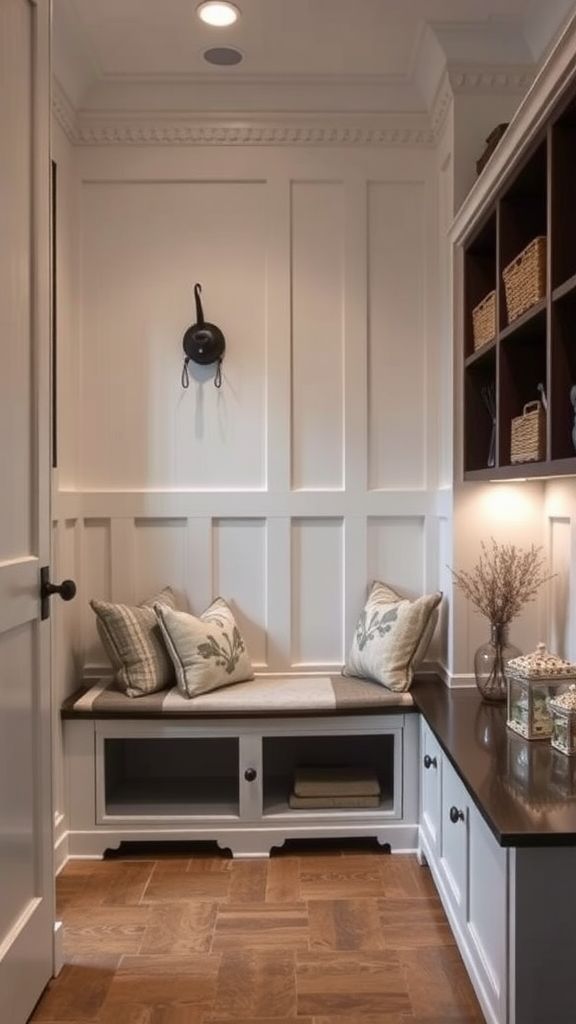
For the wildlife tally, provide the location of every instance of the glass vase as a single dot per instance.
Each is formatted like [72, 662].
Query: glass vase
[490, 663]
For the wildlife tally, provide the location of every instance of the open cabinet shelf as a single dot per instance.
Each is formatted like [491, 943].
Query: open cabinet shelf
[518, 398]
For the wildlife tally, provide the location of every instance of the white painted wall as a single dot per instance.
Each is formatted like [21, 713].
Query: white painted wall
[315, 468]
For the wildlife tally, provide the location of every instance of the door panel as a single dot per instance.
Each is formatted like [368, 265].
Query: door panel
[26, 859]
[454, 855]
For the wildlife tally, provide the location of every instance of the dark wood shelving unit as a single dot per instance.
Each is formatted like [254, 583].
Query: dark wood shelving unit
[536, 350]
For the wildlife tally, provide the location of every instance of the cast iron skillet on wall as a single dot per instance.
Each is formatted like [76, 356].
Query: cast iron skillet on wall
[203, 343]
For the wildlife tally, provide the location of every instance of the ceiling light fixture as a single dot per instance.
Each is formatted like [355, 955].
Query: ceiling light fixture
[218, 14]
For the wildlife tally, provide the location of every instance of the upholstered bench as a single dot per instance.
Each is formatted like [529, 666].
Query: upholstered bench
[221, 766]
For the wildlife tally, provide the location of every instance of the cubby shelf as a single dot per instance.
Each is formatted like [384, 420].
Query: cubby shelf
[532, 356]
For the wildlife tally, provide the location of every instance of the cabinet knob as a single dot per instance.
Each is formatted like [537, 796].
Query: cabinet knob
[250, 774]
[430, 762]
[456, 815]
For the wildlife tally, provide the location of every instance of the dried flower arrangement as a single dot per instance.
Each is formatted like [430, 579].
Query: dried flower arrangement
[504, 579]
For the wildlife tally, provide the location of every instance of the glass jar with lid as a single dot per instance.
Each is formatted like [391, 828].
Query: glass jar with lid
[563, 710]
[533, 680]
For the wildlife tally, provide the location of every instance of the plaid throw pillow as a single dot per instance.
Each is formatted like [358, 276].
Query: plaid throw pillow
[133, 642]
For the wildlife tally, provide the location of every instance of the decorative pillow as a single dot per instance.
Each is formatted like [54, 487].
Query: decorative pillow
[133, 641]
[207, 652]
[392, 636]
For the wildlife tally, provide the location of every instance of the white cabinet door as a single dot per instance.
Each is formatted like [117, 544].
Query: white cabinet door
[251, 781]
[454, 840]
[430, 791]
[487, 923]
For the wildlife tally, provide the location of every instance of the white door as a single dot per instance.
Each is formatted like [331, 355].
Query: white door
[26, 862]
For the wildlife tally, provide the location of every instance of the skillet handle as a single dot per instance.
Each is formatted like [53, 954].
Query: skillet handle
[199, 311]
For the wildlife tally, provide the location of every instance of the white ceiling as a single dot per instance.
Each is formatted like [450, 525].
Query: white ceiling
[298, 54]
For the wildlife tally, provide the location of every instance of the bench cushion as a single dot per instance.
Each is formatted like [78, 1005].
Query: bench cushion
[263, 695]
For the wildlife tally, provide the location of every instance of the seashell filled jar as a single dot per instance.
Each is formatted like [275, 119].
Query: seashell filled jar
[533, 680]
[563, 710]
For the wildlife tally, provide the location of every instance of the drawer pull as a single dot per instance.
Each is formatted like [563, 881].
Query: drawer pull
[250, 774]
[430, 762]
[456, 815]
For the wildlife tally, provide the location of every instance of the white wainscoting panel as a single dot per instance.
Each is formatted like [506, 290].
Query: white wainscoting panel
[97, 583]
[561, 610]
[159, 555]
[396, 553]
[397, 361]
[317, 591]
[318, 248]
[312, 470]
[144, 246]
[239, 576]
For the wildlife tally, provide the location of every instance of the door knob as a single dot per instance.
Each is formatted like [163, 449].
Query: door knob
[430, 762]
[66, 590]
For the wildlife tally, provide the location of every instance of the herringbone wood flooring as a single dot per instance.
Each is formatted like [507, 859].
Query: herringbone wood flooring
[314, 935]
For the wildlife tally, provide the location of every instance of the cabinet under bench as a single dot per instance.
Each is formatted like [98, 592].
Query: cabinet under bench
[231, 779]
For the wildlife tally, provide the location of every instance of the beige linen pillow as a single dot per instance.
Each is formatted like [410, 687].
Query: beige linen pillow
[133, 642]
[392, 636]
[207, 652]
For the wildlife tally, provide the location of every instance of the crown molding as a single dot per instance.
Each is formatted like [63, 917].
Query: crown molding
[387, 129]
[482, 79]
[169, 129]
[441, 105]
[63, 111]
[253, 133]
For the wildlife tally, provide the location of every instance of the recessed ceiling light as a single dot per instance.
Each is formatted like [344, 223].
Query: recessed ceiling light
[219, 14]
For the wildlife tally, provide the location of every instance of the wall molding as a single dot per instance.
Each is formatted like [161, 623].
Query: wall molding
[466, 79]
[385, 129]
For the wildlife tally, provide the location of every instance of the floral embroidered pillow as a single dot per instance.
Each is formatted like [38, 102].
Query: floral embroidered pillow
[392, 637]
[207, 652]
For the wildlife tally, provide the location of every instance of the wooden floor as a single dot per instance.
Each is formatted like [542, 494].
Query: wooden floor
[314, 935]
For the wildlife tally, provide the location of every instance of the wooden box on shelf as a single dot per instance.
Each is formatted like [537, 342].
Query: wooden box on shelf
[525, 278]
[491, 143]
[484, 321]
[528, 434]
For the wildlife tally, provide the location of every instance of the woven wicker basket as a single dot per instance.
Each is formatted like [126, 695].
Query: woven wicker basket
[525, 278]
[528, 434]
[484, 321]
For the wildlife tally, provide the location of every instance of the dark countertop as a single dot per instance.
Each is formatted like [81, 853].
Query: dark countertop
[524, 789]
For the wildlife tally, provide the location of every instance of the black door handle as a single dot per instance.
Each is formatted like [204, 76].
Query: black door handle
[66, 590]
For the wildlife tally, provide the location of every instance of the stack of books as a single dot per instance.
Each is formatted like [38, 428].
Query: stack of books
[335, 786]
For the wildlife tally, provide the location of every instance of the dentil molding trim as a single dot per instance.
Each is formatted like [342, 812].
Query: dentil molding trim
[190, 134]
[388, 129]
[494, 79]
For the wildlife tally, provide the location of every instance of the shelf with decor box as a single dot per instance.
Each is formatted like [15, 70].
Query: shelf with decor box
[518, 277]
